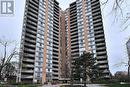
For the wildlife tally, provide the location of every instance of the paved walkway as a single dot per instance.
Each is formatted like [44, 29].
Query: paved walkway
[88, 85]
[50, 86]
[94, 85]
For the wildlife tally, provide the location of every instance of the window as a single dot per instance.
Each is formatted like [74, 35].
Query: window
[40, 44]
[40, 49]
[39, 63]
[48, 70]
[38, 69]
[39, 53]
[81, 40]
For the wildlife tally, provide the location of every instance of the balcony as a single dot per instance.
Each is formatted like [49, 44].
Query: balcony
[55, 56]
[32, 22]
[32, 41]
[55, 53]
[56, 69]
[73, 18]
[29, 60]
[29, 55]
[27, 71]
[55, 77]
[74, 33]
[95, 2]
[31, 14]
[29, 35]
[106, 71]
[29, 45]
[26, 77]
[103, 66]
[97, 17]
[31, 18]
[77, 49]
[32, 27]
[97, 13]
[73, 14]
[74, 26]
[100, 53]
[73, 7]
[56, 73]
[99, 35]
[100, 48]
[32, 10]
[55, 65]
[75, 39]
[102, 57]
[55, 61]
[34, 7]
[35, 2]
[97, 21]
[28, 65]
[102, 62]
[30, 31]
[100, 44]
[74, 46]
[99, 40]
[30, 50]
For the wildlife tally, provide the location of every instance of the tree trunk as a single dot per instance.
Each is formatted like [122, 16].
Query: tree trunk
[0, 75]
[129, 74]
[85, 84]
[85, 77]
[85, 74]
[71, 82]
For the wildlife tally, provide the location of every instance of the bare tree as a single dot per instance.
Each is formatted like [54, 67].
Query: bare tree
[6, 56]
[117, 4]
[9, 70]
[118, 11]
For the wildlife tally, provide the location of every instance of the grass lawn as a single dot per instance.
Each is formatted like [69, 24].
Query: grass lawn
[118, 85]
[27, 86]
[19, 85]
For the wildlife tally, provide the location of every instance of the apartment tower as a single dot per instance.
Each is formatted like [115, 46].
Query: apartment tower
[87, 33]
[51, 38]
[39, 60]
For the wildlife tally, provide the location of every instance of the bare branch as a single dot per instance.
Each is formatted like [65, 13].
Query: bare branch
[5, 60]
[5, 51]
[104, 4]
[117, 10]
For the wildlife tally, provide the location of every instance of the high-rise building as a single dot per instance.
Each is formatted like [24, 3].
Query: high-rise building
[87, 33]
[40, 42]
[51, 38]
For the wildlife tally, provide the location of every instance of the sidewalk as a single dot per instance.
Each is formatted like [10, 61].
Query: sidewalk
[88, 85]
[50, 86]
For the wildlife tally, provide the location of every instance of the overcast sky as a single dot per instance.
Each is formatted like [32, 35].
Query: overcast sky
[11, 28]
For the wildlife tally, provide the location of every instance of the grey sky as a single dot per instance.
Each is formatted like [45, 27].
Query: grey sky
[11, 28]
[115, 37]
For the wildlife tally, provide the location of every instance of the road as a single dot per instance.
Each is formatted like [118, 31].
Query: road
[88, 85]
